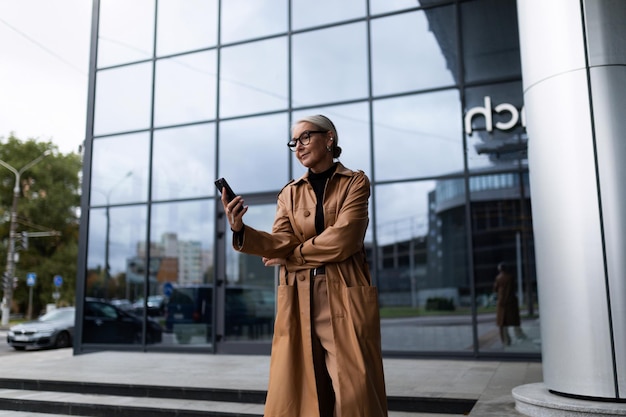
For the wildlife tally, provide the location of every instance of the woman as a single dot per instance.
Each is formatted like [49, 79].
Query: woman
[326, 355]
[507, 308]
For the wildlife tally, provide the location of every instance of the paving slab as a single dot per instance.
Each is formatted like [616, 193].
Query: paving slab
[489, 382]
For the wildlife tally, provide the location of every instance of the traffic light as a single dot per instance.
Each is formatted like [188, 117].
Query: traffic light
[25, 240]
[6, 281]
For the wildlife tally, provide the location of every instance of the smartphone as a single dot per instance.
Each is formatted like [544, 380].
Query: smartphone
[222, 183]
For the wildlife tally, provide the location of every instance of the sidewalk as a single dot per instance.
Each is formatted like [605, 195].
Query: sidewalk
[488, 382]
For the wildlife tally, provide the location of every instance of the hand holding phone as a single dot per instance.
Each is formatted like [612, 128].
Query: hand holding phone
[222, 183]
[236, 222]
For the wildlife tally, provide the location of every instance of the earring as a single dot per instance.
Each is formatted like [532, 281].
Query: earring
[328, 148]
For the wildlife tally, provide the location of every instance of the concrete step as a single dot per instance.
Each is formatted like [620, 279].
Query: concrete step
[13, 413]
[94, 405]
[89, 399]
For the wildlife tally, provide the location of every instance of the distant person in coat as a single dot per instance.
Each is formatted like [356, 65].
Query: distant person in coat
[326, 352]
[507, 308]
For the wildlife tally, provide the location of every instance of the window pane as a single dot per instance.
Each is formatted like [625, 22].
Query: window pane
[183, 161]
[253, 78]
[184, 231]
[384, 6]
[422, 268]
[353, 134]
[186, 25]
[114, 237]
[245, 19]
[250, 297]
[181, 252]
[253, 153]
[125, 31]
[330, 65]
[119, 172]
[492, 51]
[502, 233]
[418, 136]
[185, 89]
[496, 138]
[408, 54]
[313, 13]
[123, 99]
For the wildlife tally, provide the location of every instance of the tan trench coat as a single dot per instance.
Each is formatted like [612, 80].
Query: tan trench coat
[353, 300]
[507, 308]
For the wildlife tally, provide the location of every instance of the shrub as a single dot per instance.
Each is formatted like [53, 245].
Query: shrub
[440, 304]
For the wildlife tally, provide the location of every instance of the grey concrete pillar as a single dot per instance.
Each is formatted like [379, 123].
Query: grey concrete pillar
[574, 73]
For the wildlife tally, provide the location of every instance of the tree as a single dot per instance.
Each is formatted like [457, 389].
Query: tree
[49, 199]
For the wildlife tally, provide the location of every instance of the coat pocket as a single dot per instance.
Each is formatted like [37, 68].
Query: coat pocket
[362, 304]
[286, 303]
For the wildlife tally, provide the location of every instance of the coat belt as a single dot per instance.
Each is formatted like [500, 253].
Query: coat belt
[320, 270]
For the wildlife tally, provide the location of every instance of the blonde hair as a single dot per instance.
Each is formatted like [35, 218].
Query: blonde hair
[324, 123]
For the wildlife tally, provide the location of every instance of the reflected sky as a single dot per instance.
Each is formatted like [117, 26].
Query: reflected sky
[191, 221]
[418, 136]
[324, 61]
[406, 55]
[253, 154]
[402, 211]
[244, 19]
[127, 229]
[186, 25]
[185, 89]
[123, 97]
[125, 31]
[120, 169]
[307, 14]
[183, 162]
[384, 6]
[254, 78]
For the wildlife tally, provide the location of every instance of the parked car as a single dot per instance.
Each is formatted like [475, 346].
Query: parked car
[248, 310]
[189, 305]
[189, 313]
[155, 304]
[123, 304]
[54, 329]
[105, 323]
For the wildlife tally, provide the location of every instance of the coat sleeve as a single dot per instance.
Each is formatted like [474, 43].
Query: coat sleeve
[342, 239]
[278, 244]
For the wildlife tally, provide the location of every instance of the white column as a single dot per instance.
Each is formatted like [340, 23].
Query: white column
[574, 74]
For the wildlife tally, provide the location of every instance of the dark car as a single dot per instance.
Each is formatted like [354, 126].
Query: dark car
[155, 304]
[122, 304]
[105, 323]
[189, 312]
[189, 305]
[248, 310]
[54, 329]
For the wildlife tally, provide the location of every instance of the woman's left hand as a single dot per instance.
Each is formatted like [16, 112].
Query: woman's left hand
[274, 261]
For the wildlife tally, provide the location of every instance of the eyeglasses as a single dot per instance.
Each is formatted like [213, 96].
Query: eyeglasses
[305, 139]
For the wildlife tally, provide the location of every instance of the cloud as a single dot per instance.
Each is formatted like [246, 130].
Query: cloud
[44, 72]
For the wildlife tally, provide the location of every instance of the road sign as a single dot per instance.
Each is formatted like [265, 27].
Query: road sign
[168, 288]
[58, 280]
[31, 279]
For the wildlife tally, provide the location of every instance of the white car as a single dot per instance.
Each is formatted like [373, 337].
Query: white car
[54, 329]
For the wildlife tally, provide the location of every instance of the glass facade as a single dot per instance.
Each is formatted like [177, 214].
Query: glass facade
[427, 100]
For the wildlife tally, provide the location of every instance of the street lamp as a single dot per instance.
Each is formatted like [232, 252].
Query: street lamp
[10, 270]
[107, 269]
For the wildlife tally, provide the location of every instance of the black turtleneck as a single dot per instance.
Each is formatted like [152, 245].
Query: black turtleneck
[318, 182]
